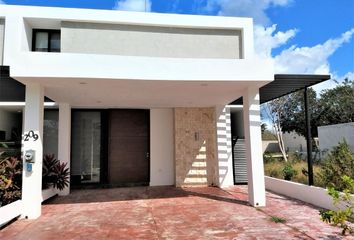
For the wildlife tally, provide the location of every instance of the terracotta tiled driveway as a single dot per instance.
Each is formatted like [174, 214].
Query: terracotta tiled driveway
[170, 213]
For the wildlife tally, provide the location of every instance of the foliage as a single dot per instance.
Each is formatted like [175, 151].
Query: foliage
[49, 163]
[10, 179]
[293, 116]
[340, 216]
[62, 174]
[275, 169]
[296, 156]
[332, 106]
[288, 171]
[268, 157]
[277, 219]
[339, 162]
[338, 103]
[54, 173]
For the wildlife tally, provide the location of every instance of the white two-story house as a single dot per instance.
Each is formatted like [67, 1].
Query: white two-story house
[141, 96]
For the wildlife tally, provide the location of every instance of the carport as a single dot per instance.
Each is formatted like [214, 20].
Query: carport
[283, 84]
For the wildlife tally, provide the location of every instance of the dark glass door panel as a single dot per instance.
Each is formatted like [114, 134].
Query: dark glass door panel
[86, 147]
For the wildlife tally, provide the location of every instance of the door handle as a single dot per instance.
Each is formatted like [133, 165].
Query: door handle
[147, 155]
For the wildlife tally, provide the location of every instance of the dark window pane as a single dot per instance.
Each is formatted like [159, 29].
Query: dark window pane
[50, 132]
[41, 44]
[55, 42]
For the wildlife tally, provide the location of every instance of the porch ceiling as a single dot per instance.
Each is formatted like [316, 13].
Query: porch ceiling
[108, 93]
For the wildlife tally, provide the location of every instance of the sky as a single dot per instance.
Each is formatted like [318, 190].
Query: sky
[301, 36]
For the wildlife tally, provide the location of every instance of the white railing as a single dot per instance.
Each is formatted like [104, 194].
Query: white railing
[316, 196]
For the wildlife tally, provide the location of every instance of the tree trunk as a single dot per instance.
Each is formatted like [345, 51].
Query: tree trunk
[279, 133]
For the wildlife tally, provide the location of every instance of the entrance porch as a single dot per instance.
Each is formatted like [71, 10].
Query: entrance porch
[187, 130]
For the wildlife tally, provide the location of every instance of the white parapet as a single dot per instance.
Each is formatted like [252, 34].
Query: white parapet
[10, 211]
[316, 196]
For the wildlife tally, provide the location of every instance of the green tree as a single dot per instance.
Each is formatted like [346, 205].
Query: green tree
[338, 104]
[332, 106]
[293, 117]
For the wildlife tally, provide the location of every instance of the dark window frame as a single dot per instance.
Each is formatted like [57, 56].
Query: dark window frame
[50, 33]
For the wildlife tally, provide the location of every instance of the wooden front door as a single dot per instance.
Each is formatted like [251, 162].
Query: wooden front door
[128, 147]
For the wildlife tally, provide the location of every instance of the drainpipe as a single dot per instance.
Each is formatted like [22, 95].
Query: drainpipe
[308, 138]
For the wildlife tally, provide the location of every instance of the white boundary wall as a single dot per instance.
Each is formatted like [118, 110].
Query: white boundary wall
[310, 194]
[10, 211]
[13, 210]
[48, 193]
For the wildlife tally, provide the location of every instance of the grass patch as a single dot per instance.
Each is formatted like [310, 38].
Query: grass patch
[277, 219]
[274, 168]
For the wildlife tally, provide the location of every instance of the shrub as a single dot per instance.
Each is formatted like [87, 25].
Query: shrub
[340, 216]
[339, 162]
[54, 173]
[10, 179]
[288, 171]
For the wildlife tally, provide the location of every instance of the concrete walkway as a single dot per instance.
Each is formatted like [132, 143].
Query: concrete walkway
[171, 213]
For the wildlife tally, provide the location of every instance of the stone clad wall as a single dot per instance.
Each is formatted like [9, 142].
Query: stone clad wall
[195, 147]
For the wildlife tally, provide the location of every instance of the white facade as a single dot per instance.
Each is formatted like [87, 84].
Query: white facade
[112, 59]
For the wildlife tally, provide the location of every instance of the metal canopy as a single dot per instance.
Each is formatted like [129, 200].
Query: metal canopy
[284, 84]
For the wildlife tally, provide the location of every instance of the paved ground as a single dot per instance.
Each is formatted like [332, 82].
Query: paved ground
[170, 213]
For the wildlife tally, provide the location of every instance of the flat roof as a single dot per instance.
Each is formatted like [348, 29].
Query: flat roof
[285, 84]
[39, 14]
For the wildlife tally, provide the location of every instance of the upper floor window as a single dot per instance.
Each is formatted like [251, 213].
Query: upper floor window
[46, 40]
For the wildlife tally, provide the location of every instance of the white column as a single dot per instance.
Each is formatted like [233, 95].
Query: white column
[64, 137]
[32, 180]
[224, 146]
[162, 161]
[252, 126]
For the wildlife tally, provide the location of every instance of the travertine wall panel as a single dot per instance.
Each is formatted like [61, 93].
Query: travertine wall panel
[150, 41]
[195, 147]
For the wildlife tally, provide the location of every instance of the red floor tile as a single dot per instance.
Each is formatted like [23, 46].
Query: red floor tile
[171, 213]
